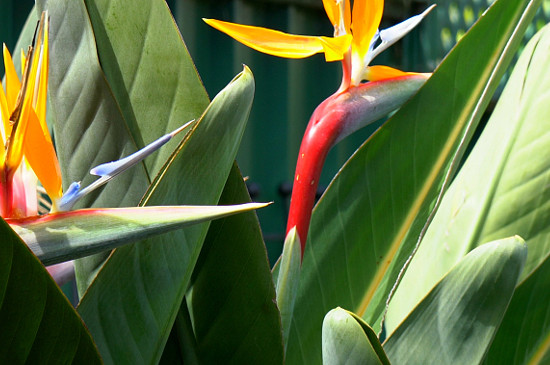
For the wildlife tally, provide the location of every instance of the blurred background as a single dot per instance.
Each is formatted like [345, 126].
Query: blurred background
[287, 91]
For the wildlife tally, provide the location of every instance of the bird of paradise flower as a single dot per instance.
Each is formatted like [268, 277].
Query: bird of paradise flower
[356, 42]
[28, 156]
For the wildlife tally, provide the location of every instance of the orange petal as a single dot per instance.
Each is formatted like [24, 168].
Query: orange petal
[14, 155]
[347, 16]
[335, 48]
[40, 154]
[280, 44]
[378, 73]
[333, 10]
[6, 129]
[366, 18]
[12, 80]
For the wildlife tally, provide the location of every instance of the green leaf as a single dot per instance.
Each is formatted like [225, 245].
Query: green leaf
[38, 323]
[378, 207]
[458, 319]
[524, 335]
[132, 304]
[232, 298]
[149, 68]
[66, 236]
[501, 190]
[89, 128]
[348, 340]
[288, 279]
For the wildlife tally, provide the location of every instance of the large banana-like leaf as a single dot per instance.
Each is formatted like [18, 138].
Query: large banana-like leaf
[59, 237]
[132, 303]
[38, 324]
[502, 188]
[457, 320]
[524, 335]
[232, 291]
[89, 128]
[149, 69]
[374, 212]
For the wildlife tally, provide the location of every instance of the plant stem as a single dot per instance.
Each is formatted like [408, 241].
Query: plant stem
[322, 132]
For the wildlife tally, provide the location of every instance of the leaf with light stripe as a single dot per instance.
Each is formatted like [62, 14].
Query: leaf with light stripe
[374, 212]
[59, 237]
[457, 321]
[501, 190]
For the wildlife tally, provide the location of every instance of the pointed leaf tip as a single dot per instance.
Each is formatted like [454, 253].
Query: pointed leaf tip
[64, 236]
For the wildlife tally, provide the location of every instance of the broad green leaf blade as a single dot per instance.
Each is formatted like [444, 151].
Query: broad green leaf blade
[501, 190]
[154, 274]
[38, 323]
[149, 68]
[67, 236]
[458, 319]
[232, 298]
[89, 128]
[524, 335]
[346, 342]
[376, 209]
[288, 280]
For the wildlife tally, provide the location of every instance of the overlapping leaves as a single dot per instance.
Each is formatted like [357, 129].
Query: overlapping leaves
[371, 217]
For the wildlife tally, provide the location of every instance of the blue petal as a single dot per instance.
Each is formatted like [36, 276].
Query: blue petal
[109, 170]
[115, 167]
[69, 198]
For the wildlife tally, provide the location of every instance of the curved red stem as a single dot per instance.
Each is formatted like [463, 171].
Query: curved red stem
[322, 132]
[339, 115]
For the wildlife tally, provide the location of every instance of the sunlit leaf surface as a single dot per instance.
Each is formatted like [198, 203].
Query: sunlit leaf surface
[458, 319]
[372, 215]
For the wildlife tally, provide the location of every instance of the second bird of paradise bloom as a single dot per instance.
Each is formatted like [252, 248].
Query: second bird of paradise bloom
[356, 42]
[27, 153]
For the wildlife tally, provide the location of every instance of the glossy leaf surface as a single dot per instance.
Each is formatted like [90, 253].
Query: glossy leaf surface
[149, 69]
[89, 128]
[154, 274]
[458, 319]
[502, 189]
[67, 236]
[374, 212]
